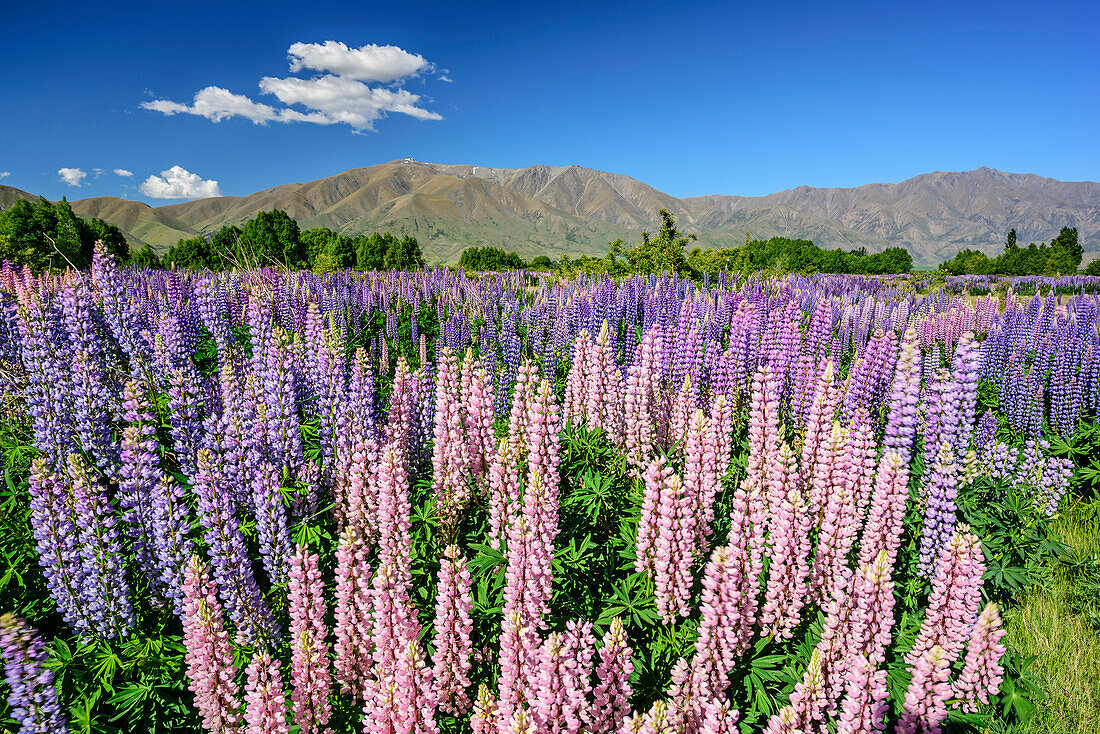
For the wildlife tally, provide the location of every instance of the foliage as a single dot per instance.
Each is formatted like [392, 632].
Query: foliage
[1062, 256]
[44, 235]
[782, 255]
[480, 259]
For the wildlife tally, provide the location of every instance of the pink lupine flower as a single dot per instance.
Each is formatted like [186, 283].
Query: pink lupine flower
[819, 424]
[400, 419]
[721, 424]
[394, 508]
[353, 612]
[788, 551]
[806, 710]
[519, 656]
[657, 473]
[308, 649]
[573, 403]
[559, 688]
[543, 444]
[608, 394]
[687, 695]
[611, 697]
[401, 700]
[453, 626]
[672, 537]
[658, 720]
[840, 520]
[519, 414]
[209, 656]
[865, 706]
[862, 453]
[953, 603]
[701, 477]
[638, 419]
[828, 474]
[926, 699]
[641, 400]
[483, 719]
[477, 414]
[503, 490]
[886, 515]
[683, 405]
[450, 460]
[358, 507]
[858, 621]
[265, 702]
[719, 718]
[982, 671]
[519, 722]
[763, 426]
[727, 611]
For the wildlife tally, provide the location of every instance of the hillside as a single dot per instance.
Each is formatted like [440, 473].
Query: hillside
[558, 210]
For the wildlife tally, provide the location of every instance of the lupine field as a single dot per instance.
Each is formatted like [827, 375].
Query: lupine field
[433, 501]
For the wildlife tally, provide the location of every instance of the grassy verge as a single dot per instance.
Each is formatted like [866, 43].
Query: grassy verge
[1057, 623]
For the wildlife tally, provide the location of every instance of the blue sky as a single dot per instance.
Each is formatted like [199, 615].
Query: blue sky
[692, 98]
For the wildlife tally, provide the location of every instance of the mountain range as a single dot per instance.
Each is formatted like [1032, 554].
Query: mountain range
[557, 210]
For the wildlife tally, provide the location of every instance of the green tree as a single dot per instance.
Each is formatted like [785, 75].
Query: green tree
[489, 259]
[144, 258]
[226, 247]
[1010, 243]
[1066, 252]
[195, 253]
[663, 253]
[272, 238]
[317, 240]
[370, 250]
[403, 254]
[41, 235]
[1093, 268]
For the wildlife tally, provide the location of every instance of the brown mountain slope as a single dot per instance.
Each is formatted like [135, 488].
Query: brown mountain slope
[573, 210]
[141, 223]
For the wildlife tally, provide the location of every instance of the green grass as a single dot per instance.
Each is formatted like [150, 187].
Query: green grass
[1057, 623]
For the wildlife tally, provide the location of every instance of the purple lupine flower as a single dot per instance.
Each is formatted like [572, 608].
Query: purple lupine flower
[57, 543]
[105, 592]
[138, 475]
[171, 523]
[232, 568]
[901, 424]
[941, 512]
[271, 522]
[33, 698]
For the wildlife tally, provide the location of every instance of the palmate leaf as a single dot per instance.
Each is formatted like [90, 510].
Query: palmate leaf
[630, 600]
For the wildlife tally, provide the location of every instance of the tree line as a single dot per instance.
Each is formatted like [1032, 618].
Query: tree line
[666, 251]
[274, 238]
[1061, 257]
[43, 235]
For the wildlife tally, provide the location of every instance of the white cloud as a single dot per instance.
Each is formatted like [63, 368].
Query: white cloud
[370, 63]
[72, 176]
[349, 101]
[123, 172]
[340, 96]
[179, 183]
[5, 174]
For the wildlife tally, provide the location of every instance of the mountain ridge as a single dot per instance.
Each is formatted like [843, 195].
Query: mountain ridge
[556, 210]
